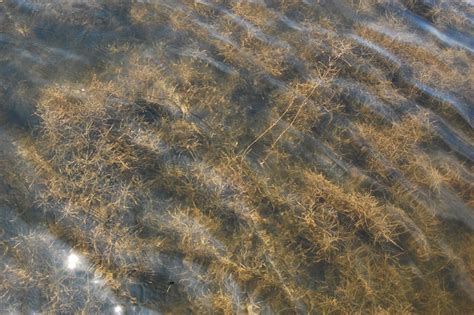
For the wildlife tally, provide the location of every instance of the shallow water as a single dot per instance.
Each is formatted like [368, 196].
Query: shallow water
[268, 157]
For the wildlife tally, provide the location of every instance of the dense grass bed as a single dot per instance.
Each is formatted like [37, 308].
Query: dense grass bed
[236, 157]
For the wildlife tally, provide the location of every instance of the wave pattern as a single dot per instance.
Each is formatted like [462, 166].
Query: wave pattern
[271, 157]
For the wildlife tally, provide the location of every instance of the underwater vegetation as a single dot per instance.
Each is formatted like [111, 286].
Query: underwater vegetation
[237, 157]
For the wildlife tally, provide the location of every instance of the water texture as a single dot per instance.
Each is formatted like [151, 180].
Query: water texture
[236, 157]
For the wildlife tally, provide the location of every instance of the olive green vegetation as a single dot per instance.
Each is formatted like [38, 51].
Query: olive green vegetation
[230, 161]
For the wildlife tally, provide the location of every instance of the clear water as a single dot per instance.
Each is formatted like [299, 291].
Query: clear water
[260, 157]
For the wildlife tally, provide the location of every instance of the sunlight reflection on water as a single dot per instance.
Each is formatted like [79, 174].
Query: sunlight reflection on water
[72, 261]
[118, 309]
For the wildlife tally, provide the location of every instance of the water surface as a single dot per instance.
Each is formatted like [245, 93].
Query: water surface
[234, 157]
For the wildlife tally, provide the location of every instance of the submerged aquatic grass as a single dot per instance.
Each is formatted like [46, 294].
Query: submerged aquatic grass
[230, 157]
